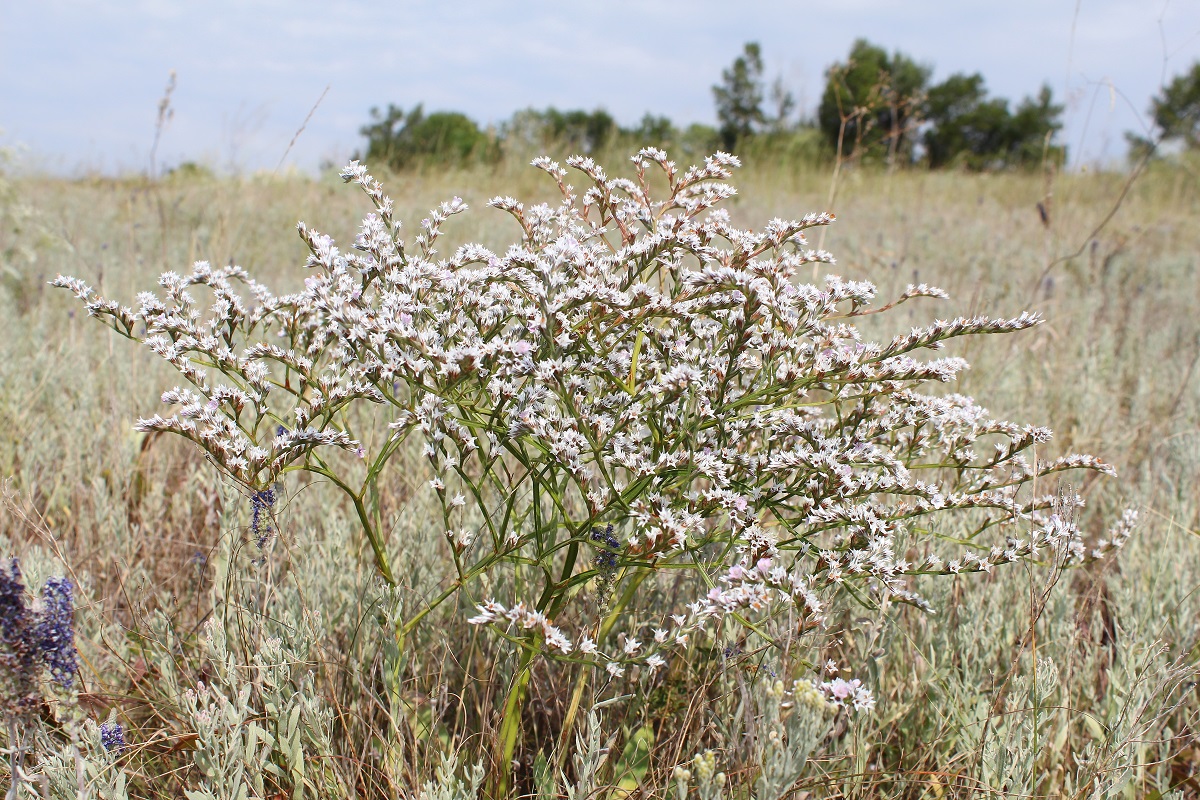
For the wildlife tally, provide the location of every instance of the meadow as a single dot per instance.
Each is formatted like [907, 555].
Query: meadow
[244, 665]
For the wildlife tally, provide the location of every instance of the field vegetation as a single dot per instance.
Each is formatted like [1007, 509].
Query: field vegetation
[876, 107]
[246, 648]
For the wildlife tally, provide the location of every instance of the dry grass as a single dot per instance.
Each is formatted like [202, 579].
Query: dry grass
[158, 540]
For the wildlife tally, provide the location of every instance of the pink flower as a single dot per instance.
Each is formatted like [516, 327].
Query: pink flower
[840, 688]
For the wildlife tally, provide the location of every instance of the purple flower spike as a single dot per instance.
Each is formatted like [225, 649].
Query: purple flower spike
[56, 631]
[261, 503]
[112, 737]
[18, 656]
[14, 614]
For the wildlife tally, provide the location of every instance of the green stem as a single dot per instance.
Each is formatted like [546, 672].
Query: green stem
[510, 723]
[633, 362]
[381, 559]
[584, 669]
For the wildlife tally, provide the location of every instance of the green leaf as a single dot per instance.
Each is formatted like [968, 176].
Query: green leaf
[1095, 728]
[635, 758]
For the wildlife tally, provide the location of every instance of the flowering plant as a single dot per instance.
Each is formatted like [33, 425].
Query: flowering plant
[635, 385]
[36, 640]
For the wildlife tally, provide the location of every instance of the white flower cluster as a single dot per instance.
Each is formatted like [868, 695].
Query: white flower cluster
[634, 361]
[848, 694]
[753, 586]
[633, 651]
[527, 619]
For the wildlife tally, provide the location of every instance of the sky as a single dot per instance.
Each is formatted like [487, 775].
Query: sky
[80, 82]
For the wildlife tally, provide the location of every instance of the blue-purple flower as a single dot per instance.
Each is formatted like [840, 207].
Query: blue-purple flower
[112, 737]
[56, 631]
[261, 503]
[34, 640]
[607, 548]
[14, 614]
[18, 651]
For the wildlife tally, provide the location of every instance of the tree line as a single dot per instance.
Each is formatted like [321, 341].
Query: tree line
[876, 107]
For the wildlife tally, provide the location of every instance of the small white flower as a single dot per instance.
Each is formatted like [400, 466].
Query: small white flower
[489, 611]
[556, 639]
[864, 700]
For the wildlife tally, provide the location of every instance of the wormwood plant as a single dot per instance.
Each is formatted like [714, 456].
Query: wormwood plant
[634, 387]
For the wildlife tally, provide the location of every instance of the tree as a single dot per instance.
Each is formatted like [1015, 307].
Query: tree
[953, 110]
[698, 140]
[382, 134]
[1176, 111]
[964, 126]
[582, 131]
[739, 97]
[784, 104]
[576, 130]
[403, 139]
[870, 102]
[1032, 131]
[656, 131]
